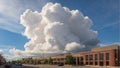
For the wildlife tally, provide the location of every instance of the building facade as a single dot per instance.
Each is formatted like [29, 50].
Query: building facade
[102, 56]
[2, 59]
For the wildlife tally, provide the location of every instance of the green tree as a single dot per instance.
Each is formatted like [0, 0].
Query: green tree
[31, 61]
[45, 61]
[69, 59]
[18, 61]
[39, 62]
[22, 61]
[50, 61]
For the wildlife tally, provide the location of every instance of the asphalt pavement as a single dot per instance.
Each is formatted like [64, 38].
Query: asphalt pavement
[15, 66]
[54, 66]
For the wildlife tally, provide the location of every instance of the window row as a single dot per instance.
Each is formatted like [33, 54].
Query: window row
[101, 56]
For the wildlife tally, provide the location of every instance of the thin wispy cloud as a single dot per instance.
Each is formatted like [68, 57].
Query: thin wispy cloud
[108, 25]
[10, 12]
[9, 16]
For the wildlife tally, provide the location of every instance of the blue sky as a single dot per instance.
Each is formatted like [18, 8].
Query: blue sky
[103, 13]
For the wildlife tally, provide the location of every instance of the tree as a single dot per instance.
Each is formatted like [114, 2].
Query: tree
[22, 61]
[50, 61]
[31, 61]
[39, 62]
[45, 61]
[69, 59]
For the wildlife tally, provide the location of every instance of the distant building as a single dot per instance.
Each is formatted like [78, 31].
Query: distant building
[2, 59]
[102, 56]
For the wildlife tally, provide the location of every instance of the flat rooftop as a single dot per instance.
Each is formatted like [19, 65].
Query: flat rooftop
[109, 47]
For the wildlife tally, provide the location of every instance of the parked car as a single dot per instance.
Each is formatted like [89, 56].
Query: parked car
[18, 64]
[61, 64]
[7, 65]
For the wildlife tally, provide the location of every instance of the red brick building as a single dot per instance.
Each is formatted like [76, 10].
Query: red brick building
[102, 56]
[2, 59]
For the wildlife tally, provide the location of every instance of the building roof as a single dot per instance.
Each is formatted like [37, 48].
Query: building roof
[110, 47]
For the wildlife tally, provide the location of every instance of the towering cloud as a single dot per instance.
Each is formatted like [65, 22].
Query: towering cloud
[55, 30]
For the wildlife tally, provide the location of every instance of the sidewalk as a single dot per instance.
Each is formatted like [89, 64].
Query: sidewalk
[67, 66]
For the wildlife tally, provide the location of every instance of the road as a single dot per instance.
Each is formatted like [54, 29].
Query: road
[67, 66]
[55, 66]
[15, 66]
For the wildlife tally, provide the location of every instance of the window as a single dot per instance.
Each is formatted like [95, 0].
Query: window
[96, 63]
[81, 58]
[96, 57]
[115, 54]
[81, 63]
[101, 63]
[74, 58]
[58, 59]
[107, 56]
[62, 58]
[54, 59]
[86, 63]
[91, 57]
[101, 56]
[91, 63]
[107, 63]
[78, 60]
[86, 57]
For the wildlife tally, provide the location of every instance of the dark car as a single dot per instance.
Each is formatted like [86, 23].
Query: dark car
[61, 64]
[7, 65]
[18, 64]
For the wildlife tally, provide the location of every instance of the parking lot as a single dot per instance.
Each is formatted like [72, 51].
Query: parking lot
[54, 66]
[67, 66]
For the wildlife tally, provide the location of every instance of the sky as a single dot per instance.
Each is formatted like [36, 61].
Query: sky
[103, 13]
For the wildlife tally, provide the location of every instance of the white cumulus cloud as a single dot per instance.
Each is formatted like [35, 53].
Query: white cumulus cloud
[56, 30]
[1, 51]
